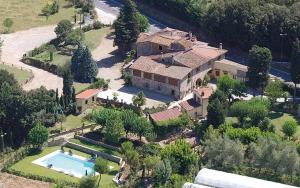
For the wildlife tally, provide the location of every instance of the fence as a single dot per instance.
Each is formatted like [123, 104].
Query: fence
[94, 152]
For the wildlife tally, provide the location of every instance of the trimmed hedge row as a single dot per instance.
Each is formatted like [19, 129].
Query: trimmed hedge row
[40, 178]
[54, 69]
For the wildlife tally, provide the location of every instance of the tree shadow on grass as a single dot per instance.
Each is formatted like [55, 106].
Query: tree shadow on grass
[34, 151]
[112, 172]
[275, 115]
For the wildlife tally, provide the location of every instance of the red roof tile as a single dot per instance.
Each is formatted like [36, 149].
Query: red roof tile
[204, 92]
[189, 104]
[87, 94]
[166, 115]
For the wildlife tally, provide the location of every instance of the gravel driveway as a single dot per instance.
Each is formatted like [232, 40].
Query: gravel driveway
[17, 44]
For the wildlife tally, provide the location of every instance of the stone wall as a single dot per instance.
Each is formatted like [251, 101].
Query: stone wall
[96, 143]
[90, 151]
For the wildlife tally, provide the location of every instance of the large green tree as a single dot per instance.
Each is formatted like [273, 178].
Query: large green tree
[38, 135]
[274, 90]
[64, 27]
[88, 182]
[101, 166]
[295, 65]
[260, 59]
[139, 100]
[181, 156]
[289, 128]
[84, 68]
[231, 86]
[222, 152]
[114, 130]
[128, 26]
[67, 84]
[142, 127]
[215, 113]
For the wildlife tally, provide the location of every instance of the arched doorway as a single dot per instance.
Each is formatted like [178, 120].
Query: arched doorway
[199, 82]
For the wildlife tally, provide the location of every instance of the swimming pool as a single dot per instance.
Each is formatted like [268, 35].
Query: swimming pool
[69, 164]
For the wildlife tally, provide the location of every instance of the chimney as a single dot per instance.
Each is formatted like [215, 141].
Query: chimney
[221, 46]
[161, 56]
[190, 35]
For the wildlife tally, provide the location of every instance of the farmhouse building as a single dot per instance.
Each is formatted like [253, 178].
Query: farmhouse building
[174, 62]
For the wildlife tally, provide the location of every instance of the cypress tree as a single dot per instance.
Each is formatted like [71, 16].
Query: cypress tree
[295, 65]
[83, 67]
[126, 26]
[67, 84]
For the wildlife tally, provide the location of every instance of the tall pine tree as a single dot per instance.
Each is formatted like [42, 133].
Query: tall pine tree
[260, 59]
[67, 84]
[127, 27]
[295, 65]
[83, 67]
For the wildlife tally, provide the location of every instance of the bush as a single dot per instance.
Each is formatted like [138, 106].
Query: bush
[97, 25]
[87, 28]
[164, 127]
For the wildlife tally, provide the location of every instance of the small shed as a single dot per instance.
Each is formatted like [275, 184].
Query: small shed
[86, 98]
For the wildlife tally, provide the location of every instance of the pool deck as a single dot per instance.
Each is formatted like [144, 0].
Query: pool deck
[41, 162]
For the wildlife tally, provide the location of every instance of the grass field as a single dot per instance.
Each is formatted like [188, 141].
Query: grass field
[71, 122]
[278, 120]
[93, 39]
[20, 75]
[27, 13]
[79, 87]
[28, 167]
[96, 147]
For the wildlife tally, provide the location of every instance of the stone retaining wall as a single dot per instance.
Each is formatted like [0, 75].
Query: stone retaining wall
[88, 140]
[94, 152]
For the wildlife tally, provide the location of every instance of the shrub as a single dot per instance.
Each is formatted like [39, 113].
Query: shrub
[97, 25]
[164, 127]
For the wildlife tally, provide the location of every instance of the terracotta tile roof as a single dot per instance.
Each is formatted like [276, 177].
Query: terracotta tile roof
[198, 55]
[164, 37]
[189, 104]
[148, 65]
[166, 115]
[87, 94]
[204, 92]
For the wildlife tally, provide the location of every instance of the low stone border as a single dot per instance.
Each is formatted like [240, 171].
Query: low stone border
[90, 151]
[72, 130]
[91, 141]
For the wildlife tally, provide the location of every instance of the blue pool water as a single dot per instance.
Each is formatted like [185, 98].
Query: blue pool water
[69, 164]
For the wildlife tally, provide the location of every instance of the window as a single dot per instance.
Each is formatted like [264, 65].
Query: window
[217, 72]
[160, 47]
[225, 72]
[189, 77]
[146, 85]
[198, 69]
[173, 92]
[86, 101]
[93, 98]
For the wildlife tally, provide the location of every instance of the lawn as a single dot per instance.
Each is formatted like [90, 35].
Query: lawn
[27, 13]
[20, 75]
[278, 120]
[95, 147]
[92, 39]
[79, 87]
[71, 122]
[27, 166]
